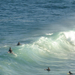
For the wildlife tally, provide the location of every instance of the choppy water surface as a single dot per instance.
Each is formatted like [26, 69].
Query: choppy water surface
[46, 31]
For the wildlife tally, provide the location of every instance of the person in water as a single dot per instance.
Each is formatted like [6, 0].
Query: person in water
[18, 44]
[48, 69]
[10, 50]
[70, 72]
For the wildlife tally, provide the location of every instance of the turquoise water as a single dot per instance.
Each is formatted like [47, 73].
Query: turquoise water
[46, 31]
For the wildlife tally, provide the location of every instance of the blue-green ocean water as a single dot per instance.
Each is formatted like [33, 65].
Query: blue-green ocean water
[46, 31]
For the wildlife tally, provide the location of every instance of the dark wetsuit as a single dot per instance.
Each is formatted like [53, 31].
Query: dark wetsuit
[70, 72]
[48, 69]
[18, 43]
[10, 50]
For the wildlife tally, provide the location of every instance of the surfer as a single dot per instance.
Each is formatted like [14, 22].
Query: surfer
[48, 69]
[10, 50]
[18, 44]
[70, 72]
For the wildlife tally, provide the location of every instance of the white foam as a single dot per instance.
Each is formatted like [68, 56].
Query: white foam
[49, 34]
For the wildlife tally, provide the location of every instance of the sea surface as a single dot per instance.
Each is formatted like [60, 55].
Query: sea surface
[46, 31]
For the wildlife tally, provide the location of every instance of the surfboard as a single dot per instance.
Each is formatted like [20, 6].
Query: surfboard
[67, 73]
[70, 74]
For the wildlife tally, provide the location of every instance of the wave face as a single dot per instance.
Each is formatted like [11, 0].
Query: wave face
[54, 50]
[46, 31]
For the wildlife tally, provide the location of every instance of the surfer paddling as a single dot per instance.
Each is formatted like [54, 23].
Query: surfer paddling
[18, 44]
[70, 73]
[10, 50]
[47, 69]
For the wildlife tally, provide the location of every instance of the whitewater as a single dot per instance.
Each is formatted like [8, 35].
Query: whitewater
[46, 31]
